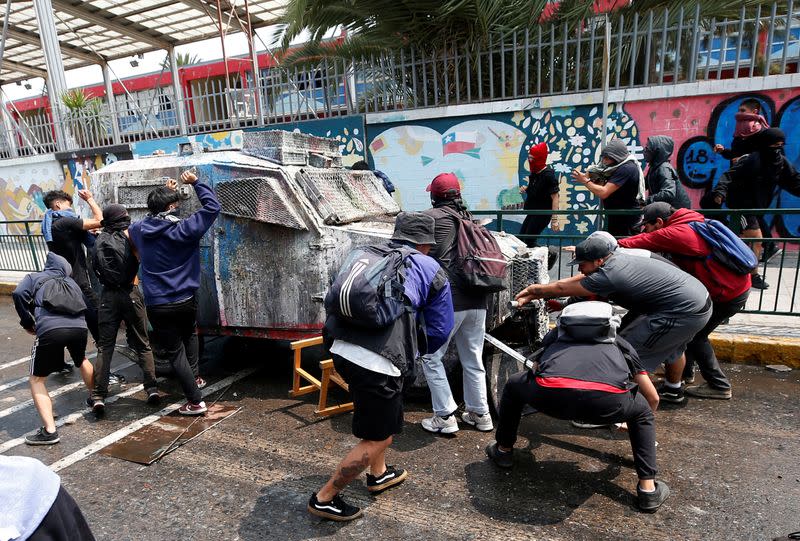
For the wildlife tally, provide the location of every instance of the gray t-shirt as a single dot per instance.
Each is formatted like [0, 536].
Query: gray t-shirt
[647, 285]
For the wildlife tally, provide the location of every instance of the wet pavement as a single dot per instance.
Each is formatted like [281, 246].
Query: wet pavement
[733, 467]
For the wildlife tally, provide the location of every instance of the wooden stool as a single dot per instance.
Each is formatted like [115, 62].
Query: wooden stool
[329, 375]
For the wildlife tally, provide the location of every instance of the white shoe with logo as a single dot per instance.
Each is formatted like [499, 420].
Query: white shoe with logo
[438, 425]
[480, 422]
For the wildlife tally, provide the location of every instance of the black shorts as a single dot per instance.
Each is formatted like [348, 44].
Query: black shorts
[47, 355]
[377, 400]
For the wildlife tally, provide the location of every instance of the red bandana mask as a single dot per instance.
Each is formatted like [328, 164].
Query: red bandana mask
[537, 157]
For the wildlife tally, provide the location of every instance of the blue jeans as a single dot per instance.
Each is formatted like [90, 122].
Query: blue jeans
[468, 333]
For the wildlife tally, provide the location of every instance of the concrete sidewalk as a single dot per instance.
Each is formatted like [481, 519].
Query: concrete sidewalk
[748, 338]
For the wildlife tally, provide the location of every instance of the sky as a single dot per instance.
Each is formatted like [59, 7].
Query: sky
[235, 44]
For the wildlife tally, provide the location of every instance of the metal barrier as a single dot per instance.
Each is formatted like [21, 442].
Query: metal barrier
[661, 47]
[22, 247]
[781, 271]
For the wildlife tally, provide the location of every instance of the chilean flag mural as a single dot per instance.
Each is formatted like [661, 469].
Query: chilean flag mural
[461, 142]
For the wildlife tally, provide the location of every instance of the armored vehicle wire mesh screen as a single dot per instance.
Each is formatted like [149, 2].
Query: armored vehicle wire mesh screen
[343, 196]
[262, 199]
[289, 148]
[525, 271]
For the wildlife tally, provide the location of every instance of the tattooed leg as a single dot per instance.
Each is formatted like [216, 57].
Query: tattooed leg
[357, 460]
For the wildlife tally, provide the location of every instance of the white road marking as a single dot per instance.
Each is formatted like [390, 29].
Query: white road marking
[16, 382]
[15, 363]
[54, 393]
[13, 383]
[92, 448]
[72, 417]
[27, 359]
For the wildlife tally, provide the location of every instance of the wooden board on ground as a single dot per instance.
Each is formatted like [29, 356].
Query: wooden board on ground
[150, 443]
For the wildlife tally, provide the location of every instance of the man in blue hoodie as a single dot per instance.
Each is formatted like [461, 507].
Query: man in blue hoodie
[55, 328]
[169, 254]
[374, 361]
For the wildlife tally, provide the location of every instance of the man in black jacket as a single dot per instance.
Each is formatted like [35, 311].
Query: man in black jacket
[661, 180]
[585, 371]
[753, 183]
[116, 265]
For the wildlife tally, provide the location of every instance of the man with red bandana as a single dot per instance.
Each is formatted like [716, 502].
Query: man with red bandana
[541, 194]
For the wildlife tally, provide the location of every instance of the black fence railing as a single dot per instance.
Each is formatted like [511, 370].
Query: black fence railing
[23, 249]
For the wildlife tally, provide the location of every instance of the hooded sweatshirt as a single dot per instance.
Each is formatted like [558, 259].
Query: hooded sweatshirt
[747, 125]
[692, 254]
[29, 308]
[169, 250]
[662, 180]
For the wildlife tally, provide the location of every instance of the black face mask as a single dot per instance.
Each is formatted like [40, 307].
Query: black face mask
[648, 155]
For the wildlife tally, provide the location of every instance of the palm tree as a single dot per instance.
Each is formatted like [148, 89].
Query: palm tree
[470, 47]
[84, 117]
[182, 59]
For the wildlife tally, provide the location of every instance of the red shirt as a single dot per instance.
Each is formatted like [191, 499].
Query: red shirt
[690, 252]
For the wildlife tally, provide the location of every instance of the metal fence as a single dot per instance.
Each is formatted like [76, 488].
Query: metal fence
[22, 248]
[781, 271]
[665, 46]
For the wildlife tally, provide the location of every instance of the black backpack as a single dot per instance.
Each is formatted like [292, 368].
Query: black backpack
[112, 262]
[369, 290]
[60, 295]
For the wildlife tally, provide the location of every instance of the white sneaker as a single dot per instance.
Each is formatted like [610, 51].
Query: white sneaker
[437, 425]
[480, 422]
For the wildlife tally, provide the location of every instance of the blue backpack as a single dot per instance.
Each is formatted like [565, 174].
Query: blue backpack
[369, 290]
[726, 247]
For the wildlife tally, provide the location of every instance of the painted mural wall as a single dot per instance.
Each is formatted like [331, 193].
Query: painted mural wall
[489, 155]
[23, 183]
[349, 131]
[488, 152]
[697, 123]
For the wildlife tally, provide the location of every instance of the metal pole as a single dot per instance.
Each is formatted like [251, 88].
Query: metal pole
[606, 76]
[222, 33]
[112, 104]
[8, 131]
[56, 80]
[180, 110]
[254, 56]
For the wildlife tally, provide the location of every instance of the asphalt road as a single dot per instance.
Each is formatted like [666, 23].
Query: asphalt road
[734, 467]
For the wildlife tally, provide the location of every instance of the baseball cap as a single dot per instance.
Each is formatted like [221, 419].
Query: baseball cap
[654, 211]
[590, 250]
[444, 186]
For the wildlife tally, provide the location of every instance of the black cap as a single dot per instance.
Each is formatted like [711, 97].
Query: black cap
[653, 212]
[414, 227]
[591, 249]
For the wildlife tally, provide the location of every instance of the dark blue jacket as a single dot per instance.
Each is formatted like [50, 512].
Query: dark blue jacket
[30, 310]
[169, 250]
[424, 330]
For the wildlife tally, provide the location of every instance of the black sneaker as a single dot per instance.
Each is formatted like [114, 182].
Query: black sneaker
[67, 369]
[153, 398]
[390, 478]
[671, 394]
[650, 501]
[43, 437]
[337, 509]
[98, 406]
[770, 250]
[504, 459]
[758, 282]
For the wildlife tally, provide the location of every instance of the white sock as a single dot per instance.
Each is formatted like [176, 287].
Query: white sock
[672, 385]
[647, 491]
